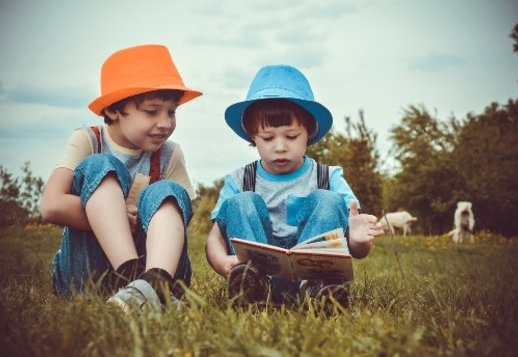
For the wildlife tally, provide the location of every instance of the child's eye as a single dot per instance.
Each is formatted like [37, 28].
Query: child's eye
[151, 112]
[267, 138]
[292, 137]
[172, 113]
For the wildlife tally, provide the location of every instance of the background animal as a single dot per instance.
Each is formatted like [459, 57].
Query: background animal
[463, 223]
[398, 220]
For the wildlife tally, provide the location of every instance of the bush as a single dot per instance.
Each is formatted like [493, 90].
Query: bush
[19, 197]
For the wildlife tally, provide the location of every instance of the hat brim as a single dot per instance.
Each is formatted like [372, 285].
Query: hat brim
[100, 103]
[323, 117]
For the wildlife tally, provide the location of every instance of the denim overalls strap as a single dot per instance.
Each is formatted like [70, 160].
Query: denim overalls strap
[250, 175]
[322, 176]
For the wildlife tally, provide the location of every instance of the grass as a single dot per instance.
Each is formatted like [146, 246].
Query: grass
[457, 300]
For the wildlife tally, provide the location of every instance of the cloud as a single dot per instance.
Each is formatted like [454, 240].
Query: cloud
[298, 56]
[296, 36]
[238, 38]
[40, 122]
[326, 10]
[234, 78]
[68, 97]
[3, 94]
[435, 62]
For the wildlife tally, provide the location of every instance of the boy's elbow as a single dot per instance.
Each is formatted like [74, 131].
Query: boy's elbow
[360, 251]
[359, 255]
[49, 212]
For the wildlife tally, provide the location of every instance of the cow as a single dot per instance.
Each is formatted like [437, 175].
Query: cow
[400, 220]
[463, 223]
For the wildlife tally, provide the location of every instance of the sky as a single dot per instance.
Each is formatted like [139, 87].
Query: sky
[453, 57]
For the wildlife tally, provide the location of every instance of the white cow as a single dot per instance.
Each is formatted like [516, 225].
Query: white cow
[463, 223]
[400, 220]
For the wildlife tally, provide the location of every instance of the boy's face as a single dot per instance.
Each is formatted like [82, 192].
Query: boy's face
[145, 126]
[282, 149]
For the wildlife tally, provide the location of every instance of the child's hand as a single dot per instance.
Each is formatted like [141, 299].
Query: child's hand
[132, 211]
[363, 227]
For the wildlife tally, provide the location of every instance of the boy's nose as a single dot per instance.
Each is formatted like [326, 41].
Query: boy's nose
[280, 145]
[165, 121]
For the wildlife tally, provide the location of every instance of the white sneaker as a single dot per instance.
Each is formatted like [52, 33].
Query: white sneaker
[138, 295]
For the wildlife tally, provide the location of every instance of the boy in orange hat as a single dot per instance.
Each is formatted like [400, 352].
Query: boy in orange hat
[122, 190]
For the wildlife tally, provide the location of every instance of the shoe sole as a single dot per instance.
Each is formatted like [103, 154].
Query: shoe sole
[119, 303]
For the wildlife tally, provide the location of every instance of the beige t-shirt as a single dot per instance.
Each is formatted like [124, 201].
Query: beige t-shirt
[80, 145]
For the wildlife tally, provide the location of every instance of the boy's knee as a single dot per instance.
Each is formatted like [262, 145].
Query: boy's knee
[153, 196]
[99, 165]
[89, 174]
[246, 202]
[245, 198]
[163, 189]
[97, 161]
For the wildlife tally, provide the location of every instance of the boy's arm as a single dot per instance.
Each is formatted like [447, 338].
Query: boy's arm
[216, 252]
[177, 171]
[363, 228]
[60, 207]
[337, 183]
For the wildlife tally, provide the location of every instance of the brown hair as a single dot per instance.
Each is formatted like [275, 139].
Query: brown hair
[276, 113]
[163, 94]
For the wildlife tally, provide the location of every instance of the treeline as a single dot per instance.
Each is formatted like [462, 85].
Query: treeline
[19, 197]
[437, 163]
[440, 163]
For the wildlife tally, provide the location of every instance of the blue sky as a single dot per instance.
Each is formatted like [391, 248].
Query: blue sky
[453, 57]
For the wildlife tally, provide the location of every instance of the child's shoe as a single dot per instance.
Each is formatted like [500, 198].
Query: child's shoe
[138, 295]
[247, 284]
[128, 271]
[154, 290]
[169, 290]
[324, 290]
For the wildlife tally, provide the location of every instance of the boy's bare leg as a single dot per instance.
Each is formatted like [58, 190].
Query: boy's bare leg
[165, 238]
[106, 212]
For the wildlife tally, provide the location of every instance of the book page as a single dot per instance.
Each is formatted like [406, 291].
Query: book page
[335, 245]
[309, 264]
[270, 259]
[327, 236]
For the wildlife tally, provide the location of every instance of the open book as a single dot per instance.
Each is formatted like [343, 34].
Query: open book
[322, 257]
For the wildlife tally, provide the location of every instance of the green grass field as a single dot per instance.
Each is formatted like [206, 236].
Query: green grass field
[454, 300]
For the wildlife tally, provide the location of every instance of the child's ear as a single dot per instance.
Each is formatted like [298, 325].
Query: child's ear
[112, 114]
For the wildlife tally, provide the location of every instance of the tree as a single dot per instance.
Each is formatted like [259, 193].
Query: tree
[426, 183]
[203, 205]
[486, 157]
[445, 162]
[19, 197]
[357, 155]
[514, 36]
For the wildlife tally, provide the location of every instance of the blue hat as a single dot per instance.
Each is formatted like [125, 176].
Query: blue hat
[280, 82]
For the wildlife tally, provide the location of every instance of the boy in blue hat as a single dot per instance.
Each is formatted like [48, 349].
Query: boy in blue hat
[286, 197]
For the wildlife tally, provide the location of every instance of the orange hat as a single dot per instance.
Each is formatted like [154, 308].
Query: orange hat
[137, 70]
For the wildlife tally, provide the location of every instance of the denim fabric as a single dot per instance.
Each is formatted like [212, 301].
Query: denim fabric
[150, 200]
[80, 258]
[245, 216]
[321, 212]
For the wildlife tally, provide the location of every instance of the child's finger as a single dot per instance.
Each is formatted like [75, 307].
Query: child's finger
[353, 209]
